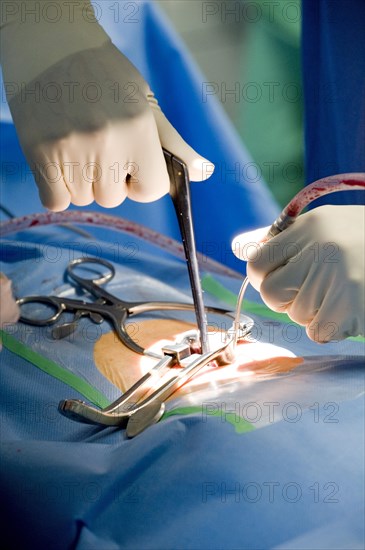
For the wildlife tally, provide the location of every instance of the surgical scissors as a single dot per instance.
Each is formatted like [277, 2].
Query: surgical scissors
[107, 306]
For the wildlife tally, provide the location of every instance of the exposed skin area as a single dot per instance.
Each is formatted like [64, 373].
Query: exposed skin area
[124, 367]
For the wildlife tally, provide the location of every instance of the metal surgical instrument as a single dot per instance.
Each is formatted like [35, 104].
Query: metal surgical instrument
[180, 194]
[106, 306]
[136, 415]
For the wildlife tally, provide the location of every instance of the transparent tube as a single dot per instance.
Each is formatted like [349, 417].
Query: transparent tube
[112, 222]
[317, 189]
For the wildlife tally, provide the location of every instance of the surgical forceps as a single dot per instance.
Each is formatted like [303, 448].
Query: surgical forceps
[180, 195]
[107, 306]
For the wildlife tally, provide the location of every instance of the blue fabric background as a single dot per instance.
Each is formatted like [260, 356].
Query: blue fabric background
[333, 42]
[191, 481]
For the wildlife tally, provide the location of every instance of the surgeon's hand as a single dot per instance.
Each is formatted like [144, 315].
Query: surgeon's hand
[314, 271]
[87, 121]
[9, 310]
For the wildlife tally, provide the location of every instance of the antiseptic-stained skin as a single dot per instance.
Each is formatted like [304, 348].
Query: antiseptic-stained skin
[123, 367]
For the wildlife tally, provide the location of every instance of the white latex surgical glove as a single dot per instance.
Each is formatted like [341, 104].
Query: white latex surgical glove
[314, 271]
[9, 310]
[87, 121]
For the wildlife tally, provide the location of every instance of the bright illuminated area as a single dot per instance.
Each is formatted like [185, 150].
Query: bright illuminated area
[254, 360]
[246, 245]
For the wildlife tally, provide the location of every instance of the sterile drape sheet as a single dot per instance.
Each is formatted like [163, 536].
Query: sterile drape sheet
[256, 460]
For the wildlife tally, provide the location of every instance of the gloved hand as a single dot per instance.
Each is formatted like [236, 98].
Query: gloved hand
[9, 310]
[314, 271]
[87, 121]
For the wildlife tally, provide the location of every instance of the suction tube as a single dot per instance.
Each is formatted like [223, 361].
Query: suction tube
[317, 189]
